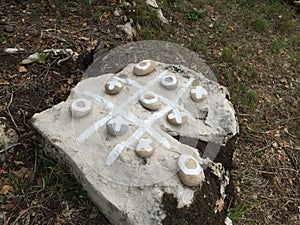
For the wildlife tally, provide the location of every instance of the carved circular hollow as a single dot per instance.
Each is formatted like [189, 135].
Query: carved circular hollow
[113, 87]
[190, 173]
[80, 107]
[198, 94]
[150, 101]
[144, 67]
[169, 82]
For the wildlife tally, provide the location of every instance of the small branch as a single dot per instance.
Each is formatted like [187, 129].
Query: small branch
[8, 111]
[9, 147]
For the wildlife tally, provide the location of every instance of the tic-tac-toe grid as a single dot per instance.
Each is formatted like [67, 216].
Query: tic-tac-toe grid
[143, 126]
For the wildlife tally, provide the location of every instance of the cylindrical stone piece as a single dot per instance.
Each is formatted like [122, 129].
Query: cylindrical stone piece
[117, 126]
[145, 147]
[80, 107]
[150, 101]
[144, 67]
[190, 173]
[169, 82]
[176, 117]
[113, 87]
[198, 93]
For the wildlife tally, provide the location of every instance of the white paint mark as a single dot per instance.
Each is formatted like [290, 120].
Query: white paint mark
[114, 154]
[91, 130]
[183, 89]
[144, 65]
[160, 138]
[199, 92]
[99, 99]
[129, 82]
[117, 123]
[169, 81]
[177, 115]
[114, 83]
[144, 144]
[148, 98]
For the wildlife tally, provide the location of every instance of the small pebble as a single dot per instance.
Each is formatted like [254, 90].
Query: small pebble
[9, 28]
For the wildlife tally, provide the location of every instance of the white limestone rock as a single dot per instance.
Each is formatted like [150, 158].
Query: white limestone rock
[127, 188]
[8, 136]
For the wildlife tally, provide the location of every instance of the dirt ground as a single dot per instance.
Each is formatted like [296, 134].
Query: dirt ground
[252, 47]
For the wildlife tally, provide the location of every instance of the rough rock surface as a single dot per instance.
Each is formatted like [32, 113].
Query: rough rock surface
[8, 137]
[129, 189]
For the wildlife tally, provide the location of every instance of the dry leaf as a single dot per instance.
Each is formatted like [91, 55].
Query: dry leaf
[23, 172]
[84, 38]
[18, 162]
[91, 45]
[3, 171]
[283, 80]
[4, 82]
[67, 213]
[231, 28]
[70, 80]
[22, 69]
[104, 17]
[6, 189]
[277, 133]
[8, 206]
[220, 204]
[134, 32]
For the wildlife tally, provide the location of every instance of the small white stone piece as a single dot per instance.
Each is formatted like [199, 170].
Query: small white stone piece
[161, 16]
[190, 173]
[117, 126]
[228, 221]
[169, 82]
[127, 28]
[113, 87]
[144, 67]
[150, 101]
[144, 147]
[176, 117]
[13, 50]
[152, 3]
[198, 93]
[80, 107]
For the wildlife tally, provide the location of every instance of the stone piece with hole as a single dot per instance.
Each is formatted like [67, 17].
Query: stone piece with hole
[110, 149]
[144, 67]
[150, 101]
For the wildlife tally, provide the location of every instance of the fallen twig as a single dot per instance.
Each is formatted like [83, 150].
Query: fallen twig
[8, 111]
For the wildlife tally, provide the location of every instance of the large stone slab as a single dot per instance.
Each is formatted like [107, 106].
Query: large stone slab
[130, 189]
